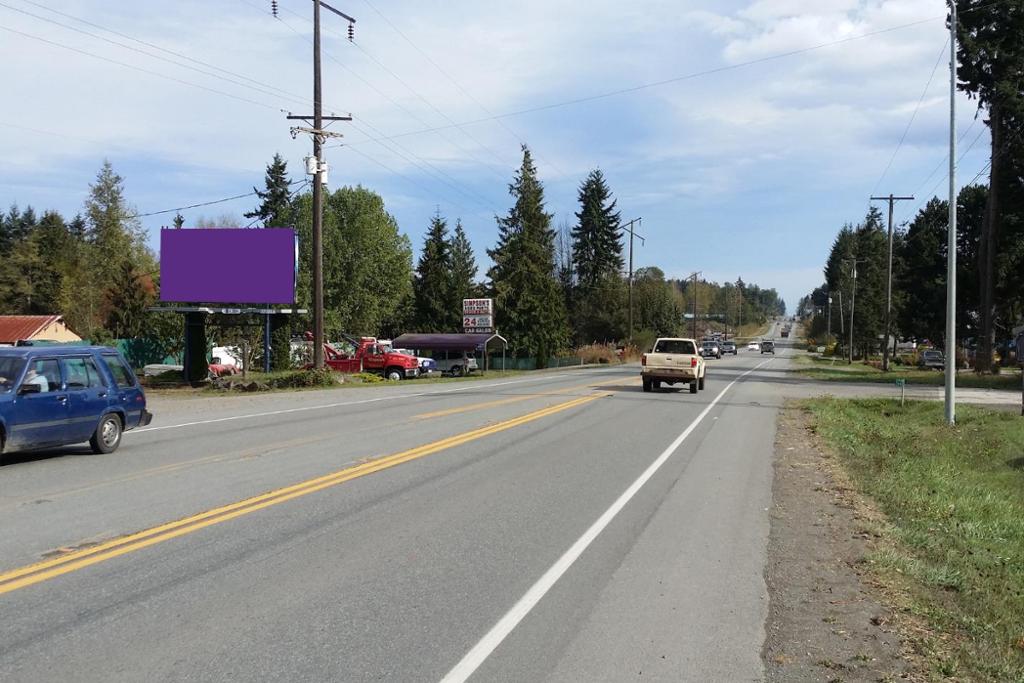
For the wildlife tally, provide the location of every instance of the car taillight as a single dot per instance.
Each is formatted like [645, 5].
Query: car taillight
[693, 362]
[643, 359]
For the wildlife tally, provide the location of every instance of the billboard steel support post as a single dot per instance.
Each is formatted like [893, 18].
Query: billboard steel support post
[266, 342]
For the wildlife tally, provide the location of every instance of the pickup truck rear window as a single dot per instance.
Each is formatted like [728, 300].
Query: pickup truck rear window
[680, 346]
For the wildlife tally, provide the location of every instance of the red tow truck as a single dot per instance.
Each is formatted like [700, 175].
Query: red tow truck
[365, 354]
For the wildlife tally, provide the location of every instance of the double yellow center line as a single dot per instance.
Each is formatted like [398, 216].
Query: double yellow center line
[73, 561]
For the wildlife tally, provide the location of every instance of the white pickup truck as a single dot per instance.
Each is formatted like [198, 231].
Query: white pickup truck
[673, 360]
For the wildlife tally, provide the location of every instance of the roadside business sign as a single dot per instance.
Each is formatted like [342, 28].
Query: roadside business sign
[478, 315]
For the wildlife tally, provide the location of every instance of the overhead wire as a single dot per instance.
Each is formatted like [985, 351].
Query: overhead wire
[453, 81]
[138, 68]
[181, 64]
[382, 138]
[913, 116]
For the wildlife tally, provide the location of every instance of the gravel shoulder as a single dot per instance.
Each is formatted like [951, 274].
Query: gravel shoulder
[826, 621]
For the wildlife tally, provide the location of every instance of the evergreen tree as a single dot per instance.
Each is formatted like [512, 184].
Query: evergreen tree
[179, 221]
[433, 285]
[530, 309]
[128, 298]
[991, 55]
[463, 266]
[274, 210]
[596, 248]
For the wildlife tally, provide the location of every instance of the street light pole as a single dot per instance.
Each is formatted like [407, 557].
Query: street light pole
[853, 301]
[950, 403]
[694, 276]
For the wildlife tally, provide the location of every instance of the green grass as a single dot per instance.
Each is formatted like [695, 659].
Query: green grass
[836, 370]
[953, 543]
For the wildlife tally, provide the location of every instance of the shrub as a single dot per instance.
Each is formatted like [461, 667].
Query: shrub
[597, 353]
[367, 378]
[164, 379]
[305, 378]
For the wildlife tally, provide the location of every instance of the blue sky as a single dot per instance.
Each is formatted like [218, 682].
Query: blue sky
[747, 172]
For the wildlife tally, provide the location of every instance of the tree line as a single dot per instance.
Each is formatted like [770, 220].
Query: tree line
[990, 219]
[554, 289]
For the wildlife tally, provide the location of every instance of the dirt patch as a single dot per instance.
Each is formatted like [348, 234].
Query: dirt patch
[826, 621]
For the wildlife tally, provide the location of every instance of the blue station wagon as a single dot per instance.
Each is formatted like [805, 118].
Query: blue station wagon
[60, 395]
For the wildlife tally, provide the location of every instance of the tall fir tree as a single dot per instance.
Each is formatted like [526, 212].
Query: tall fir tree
[529, 306]
[464, 266]
[433, 284]
[275, 206]
[598, 300]
[596, 248]
[991, 55]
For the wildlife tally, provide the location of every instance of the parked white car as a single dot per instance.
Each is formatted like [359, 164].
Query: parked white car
[457, 365]
[427, 365]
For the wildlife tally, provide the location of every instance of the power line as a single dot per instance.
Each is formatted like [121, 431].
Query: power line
[382, 138]
[676, 79]
[913, 116]
[138, 68]
[390, 99]
[233, 81]
[458, 85]
[210, 203]
[162, 49]
[430, 104]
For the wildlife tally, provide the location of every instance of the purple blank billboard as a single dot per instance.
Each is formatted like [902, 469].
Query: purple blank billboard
[228, 265]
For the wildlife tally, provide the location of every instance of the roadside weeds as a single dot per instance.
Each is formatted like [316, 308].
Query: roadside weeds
[941, 513]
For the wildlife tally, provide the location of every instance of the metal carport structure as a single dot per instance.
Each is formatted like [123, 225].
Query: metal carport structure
[448, 342]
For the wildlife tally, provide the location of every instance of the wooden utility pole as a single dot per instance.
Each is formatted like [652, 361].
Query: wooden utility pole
[888, 281]
[694, 276]
[950, 398]
[628, 227]
[319, 134]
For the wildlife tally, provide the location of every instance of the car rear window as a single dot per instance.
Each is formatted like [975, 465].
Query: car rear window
[681, 346]
[122, 375]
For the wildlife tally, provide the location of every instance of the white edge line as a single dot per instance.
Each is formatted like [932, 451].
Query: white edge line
[285, 411]
[483, 649]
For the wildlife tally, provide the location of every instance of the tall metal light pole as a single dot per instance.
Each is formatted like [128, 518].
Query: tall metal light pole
[888, 281]
[950, 407]
[319, 134]
[628, 227]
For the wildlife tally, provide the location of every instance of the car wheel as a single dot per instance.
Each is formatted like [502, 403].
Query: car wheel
[393, 374]
[457, 371]
[693, 387]
[700, 383]
[647, 385]
[107, 436]
[656, 384]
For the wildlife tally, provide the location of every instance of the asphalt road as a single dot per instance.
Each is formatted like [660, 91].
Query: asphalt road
[561, 526]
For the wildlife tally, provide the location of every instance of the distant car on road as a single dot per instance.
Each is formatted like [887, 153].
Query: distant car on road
[729, 347]
[932, 359]
[768, 346]
[710, 348]
[753, 346]
[55, 396]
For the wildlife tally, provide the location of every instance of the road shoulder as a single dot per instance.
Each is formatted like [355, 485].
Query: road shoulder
[826, 621]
